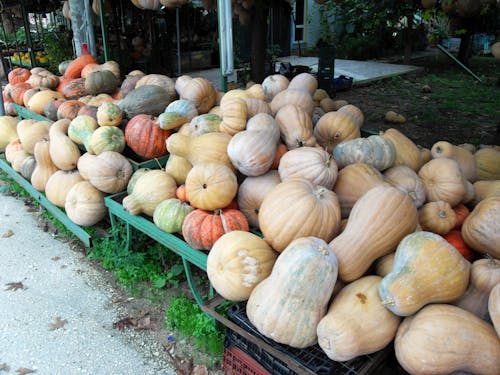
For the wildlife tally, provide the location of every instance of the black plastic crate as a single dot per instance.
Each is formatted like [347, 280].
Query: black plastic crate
[313, 357]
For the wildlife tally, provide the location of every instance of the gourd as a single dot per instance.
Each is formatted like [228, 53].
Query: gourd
[59, 184]
[234, 115]
[63, 151]
[18, 160]
[38, 101]
[304, 81]
[30, 132]
[356, 322]
[480, 228]
[295, 126]
[406, 180]
[109, 114]
[149, 99]
[352, 182]
[487, 163]
[202, 124]
[201, 229]
[461, 212]
[282, 213]
[374, 150]
[379, 220]
[383, 265]
[17, 92]
[109, 171]
[494, 307]
[44, 78]
[51, 108]
[107, 138]
[484, 275]
[295, 97]
[44, 166]
[463, 157]
[169, 215]
[237, 262]
[85, 204]
[252, 192]
[181, 82]
[437, 217]
[426, 269]
[311, 163]
[145, 137]
[207, 148]
[335, 127]
[407, 152]
[178, 167]
[274, 84]
[8, 131]
[288, 305]
[210, 186]
[423, 344]
[201, 92]
[80, 130]
[150, 189]
[443, 181]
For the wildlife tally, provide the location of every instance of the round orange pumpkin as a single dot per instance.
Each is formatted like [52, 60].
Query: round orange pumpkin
[145, 137]
[18, 75]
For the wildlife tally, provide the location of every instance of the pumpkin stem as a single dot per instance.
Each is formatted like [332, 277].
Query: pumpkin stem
[442, 214]
[439, 149]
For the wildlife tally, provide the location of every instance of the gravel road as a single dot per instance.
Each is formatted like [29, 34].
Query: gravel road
[56, 315]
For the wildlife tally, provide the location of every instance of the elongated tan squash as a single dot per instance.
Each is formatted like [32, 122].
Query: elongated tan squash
[63, 151]
[405, 179]
[407, 152]
[288, 305]
[441, 339]
[356, 322]
[379, 220]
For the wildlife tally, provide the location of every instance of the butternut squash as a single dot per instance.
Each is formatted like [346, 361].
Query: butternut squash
[462, 156]
[63, 151]
[44, 166]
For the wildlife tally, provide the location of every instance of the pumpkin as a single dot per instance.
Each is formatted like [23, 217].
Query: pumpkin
[255, 106]
[69, 109]
[201, 229]
[374, 150]
[405, 179]
[44, 79]
[18, 160]
[201, 92]
[423, 344]
[207, 123]
[178, 167]
[384, 264]
[295, 127]
[110, 66]
[87, 69]
[31, 131]
[12, 148]
[133, 179]
[356, 322]
[237, 262]
[407, 152]
[181, 193]
[333, 128]
[145, 137]
[181, 82]
[8, 131]
[18, 75]
[437, 217]
[485, 189]
[99, 99]
[63, 151]
[288, 305]
[89, 110]
[177, 113]
[379, 220]
[281, 150]
[85, 204]
[17, 92]
[28, 94]
[484, 275]
[282, 213]
[443, 181]
[38, 101]
[80, 130]
[256, 91]
[27, 167]
[101, 82]
[129, 83]
[59, 184]
[109, 114]
[150, 189]
[295, 97]
[352, 110]
[9, 109]
[494, 307]
[426, 269]
[73, 89]
[160, 80]
[234, 115]
[107, 138]
[312, 163]
[480, 228]
[44, 166]
[50, 110]
[327, 105]
[463, 157]
[210, 186]
[170, 214]
[454, 238]
[487, 163]
[352, 182]
[304, 81]
[149, 99]
[207, 148]
[318, 95]
[74, 68]
[274, 84]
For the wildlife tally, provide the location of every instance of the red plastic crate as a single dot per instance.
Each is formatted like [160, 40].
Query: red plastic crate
[237, 362]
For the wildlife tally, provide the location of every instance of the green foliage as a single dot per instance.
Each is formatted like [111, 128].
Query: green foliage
[58, 49]
[15, 188]
[186, 317]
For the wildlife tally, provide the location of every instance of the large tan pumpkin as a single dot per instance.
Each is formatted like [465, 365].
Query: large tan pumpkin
[59, 184]
[295, 126]
[38, 101]
[296, 97]
[298, 208]
[405, 179]
[463, 157]
[237, 262]
[441, 339]
[85, 204]
[407, 152]
[30, 132]
[487, 163]
[288, 305]
[379, 220]
[335, 127]
[8, 130]
[485, 189]
[356, 322]
[304, 81]
[274, 84]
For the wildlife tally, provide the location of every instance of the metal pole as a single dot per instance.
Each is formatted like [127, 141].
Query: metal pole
[223, 78]
[90, 28]
[27, 31]
[177, 27]
[104, 32]
[442, 49]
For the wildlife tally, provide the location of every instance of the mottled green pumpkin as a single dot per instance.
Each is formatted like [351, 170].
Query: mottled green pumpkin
[107, 138]
[169, 215]
[375, 150]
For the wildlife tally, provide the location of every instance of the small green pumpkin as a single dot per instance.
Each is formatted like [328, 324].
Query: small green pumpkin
[80, 130]
[107, 138]
[375, 150]
[169, 215]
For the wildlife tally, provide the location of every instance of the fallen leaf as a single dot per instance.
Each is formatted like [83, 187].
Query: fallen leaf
[8, 234]
[24, 371]
[199, 370]
[57, 323]
[55, 258]
[4, 367]
[15, 286]
[127, 322]
[144, 322]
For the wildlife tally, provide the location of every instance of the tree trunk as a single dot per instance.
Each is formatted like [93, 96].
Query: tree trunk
[465, 49]
[259, 41]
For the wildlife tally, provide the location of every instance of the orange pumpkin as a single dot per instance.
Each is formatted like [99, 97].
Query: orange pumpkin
[18, 75]
[75, 67]
[454, 237]
[69, 109]
[202, 228]
[180, 193]
[461, 212]
[282, 149]
[17, 92]
[145, 137]
[73, 89]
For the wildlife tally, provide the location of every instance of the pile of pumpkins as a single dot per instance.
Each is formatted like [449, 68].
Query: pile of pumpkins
[331, 238]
